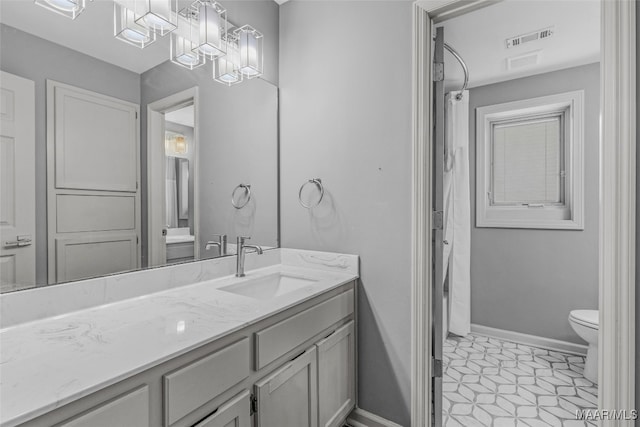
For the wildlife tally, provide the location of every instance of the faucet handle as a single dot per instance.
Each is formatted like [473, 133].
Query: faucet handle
[240, 240]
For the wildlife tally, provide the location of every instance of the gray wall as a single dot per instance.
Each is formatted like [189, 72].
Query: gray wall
[37, 59]
[528, 280]
[345, 92]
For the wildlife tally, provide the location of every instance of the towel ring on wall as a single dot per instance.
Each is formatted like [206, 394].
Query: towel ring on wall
[247, 192]
[318, 183]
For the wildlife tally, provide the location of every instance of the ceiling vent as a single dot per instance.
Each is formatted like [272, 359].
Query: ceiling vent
[525, 60]
[530, 37]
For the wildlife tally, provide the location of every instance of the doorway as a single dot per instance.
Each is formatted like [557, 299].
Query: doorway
[172, 166]
[617, 188]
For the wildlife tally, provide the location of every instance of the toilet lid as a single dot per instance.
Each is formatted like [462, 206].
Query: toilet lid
[586, 317]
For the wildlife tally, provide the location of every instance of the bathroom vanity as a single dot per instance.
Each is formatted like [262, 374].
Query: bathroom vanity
[275, 348]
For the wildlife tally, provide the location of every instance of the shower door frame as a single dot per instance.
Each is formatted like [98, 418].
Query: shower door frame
[616, 373]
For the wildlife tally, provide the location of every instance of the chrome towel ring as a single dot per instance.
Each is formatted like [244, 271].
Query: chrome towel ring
[318, 183]
[247, 192]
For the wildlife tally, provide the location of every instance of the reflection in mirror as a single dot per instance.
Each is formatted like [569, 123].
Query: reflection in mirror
[130, 158]
[179, 147]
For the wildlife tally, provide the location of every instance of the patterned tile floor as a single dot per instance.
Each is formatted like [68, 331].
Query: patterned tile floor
[490, 382]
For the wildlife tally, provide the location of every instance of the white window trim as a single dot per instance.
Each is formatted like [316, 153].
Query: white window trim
[571, 214]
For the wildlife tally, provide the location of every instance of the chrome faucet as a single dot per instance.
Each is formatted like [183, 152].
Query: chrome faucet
[221, 244]
[242, 250]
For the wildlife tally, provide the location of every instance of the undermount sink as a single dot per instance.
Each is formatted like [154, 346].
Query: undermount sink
[271, 286]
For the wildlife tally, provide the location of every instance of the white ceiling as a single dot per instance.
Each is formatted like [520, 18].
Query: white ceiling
[183, 116]
[480, 38]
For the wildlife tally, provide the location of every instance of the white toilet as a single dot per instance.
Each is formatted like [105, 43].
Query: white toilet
[585, 323]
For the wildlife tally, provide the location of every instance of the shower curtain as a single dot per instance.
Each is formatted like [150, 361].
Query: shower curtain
[457, 213]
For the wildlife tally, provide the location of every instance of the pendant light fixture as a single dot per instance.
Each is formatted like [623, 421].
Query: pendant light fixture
[184, 50]
[128, 30]
[160, 16]
[212, 28]
[68, 8]
[199, 32]
[250, 47]
[226, 68]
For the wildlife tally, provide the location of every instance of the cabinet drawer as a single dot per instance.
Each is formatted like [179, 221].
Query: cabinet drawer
[284, 336]
[190, 387]
[180, 250]
[131, 409]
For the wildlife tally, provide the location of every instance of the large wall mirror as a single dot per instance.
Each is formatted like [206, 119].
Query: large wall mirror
[139, 161]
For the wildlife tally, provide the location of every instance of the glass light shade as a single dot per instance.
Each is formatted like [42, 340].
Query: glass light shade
[126, 28]
[68, 8]
[183, 52]
[226, 68]
[212, 28]
[160, 16]
[250, 43]
[175, 143]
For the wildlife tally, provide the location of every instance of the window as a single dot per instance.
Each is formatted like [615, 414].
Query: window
[529, 162]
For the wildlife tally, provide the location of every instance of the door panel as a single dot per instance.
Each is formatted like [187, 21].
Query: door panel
[289, 397]
[17, 182]
[336, 376]
[95, 145]
[235, 413]
[84, 257]
[95, 213]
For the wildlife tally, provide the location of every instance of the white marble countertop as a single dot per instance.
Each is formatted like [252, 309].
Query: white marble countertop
[47, 363]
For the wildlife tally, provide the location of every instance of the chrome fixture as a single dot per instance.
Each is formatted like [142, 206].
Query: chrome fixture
[236, 200]
[464, 68]
[221, 244]
[319, 186]
[242, 250]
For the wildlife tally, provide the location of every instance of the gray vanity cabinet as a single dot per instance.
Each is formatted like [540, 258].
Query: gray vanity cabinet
[295, 368]
[317, 388]
[235, 413]
[289, 396]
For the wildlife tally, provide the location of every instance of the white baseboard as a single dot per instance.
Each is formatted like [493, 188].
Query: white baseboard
[531, 340]
[361, 418]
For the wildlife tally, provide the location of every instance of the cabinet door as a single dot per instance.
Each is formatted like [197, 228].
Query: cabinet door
[289, 397]
[336, 376]
[234, 413]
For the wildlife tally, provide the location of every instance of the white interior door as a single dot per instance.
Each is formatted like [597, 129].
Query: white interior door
[17, 183]
[93, 196]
